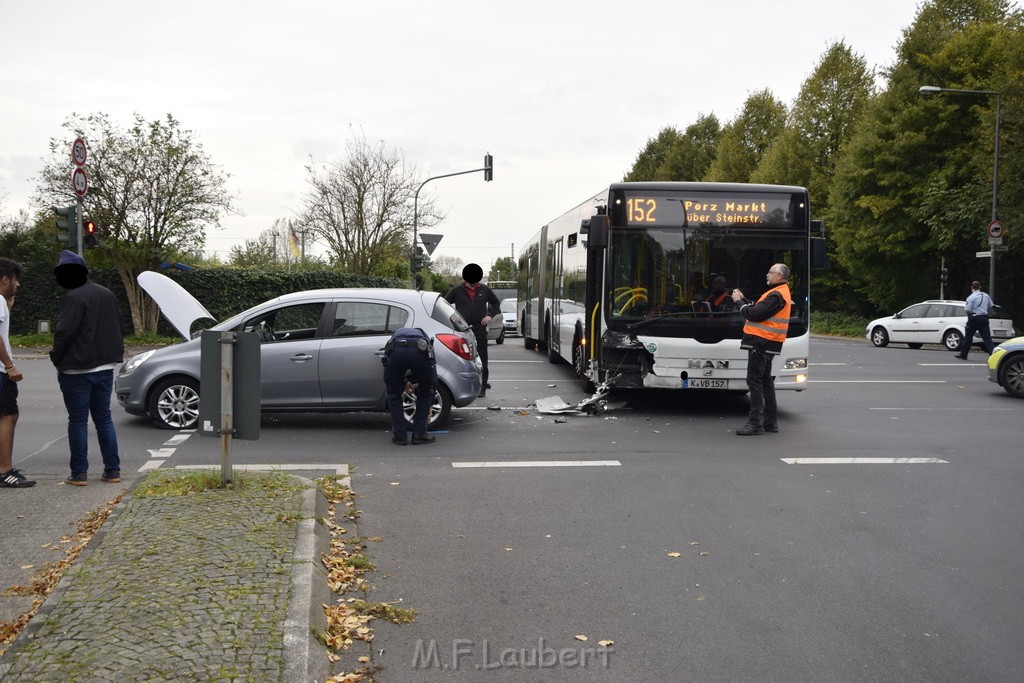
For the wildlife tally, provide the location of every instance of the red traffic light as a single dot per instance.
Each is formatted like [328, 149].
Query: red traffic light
[89, 240]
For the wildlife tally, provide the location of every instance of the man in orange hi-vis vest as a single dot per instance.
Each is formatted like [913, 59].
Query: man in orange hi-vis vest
[763, 334]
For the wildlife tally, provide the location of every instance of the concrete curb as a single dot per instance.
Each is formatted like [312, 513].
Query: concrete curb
[305, 657]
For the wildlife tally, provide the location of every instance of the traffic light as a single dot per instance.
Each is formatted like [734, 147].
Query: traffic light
[944, 276]
[89, 236]
[67, 229]
[419, 259]
[488, 167]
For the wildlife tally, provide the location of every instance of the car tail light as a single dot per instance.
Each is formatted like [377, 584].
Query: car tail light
[457, 345]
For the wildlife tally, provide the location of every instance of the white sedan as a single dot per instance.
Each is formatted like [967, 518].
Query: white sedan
[940, 321]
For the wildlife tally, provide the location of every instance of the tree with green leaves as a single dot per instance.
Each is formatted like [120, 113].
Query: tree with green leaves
[914, 184]
[281, 246]
[649, 161]
[674, 156]
[746, 138]
[153, 193]
[503, 270]
[821, 121]
[361, 207]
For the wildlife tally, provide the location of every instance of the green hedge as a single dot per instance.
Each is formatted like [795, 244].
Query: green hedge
[223, 291]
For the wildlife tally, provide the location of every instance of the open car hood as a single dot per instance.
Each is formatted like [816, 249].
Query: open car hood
[179, 307]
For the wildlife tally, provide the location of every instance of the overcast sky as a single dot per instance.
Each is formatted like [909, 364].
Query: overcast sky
[563, 94]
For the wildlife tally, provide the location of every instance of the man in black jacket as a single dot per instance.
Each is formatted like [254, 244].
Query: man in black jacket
[87, 346]
[472, 299]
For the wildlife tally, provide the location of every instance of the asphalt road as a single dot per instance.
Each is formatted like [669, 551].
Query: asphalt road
[850, 570]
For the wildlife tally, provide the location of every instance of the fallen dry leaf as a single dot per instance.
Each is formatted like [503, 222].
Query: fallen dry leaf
[581, 637]
[363, 660]
[331, 657]
[606, 643]
[395, 483]
[675, 554]
[27, 566]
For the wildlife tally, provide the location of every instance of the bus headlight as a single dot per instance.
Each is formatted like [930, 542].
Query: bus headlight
[795, 364]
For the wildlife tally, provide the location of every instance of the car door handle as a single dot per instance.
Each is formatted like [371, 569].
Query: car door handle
[301, 357]
[379, 352]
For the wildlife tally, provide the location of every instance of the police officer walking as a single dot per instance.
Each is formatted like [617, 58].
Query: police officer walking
[978, 306]
[763, 334]
[409, 359]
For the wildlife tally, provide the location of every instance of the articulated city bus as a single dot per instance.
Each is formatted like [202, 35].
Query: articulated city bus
[631, 286]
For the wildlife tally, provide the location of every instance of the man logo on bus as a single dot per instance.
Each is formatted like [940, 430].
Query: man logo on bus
[712, 364]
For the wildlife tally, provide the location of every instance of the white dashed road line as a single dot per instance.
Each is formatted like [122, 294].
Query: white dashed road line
[541, 463]
[863, 461]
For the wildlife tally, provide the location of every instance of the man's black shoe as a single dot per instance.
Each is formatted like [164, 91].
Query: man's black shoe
[15, 480]
[482, 394]
[961, 357]
[423, 438]
[749, 429]
[487, 385]
[774, 429]
[401, 442]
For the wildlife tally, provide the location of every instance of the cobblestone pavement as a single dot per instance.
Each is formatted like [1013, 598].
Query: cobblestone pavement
[189, 587]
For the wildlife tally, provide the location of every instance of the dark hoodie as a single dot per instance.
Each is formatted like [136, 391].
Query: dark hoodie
[88, 332]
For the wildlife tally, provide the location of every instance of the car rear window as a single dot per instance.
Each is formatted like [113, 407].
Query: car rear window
[998, 312]
[446, 314]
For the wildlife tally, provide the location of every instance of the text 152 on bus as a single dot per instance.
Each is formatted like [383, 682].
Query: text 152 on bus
[632, 287]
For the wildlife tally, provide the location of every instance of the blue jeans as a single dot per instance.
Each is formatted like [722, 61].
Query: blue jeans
[85, 394]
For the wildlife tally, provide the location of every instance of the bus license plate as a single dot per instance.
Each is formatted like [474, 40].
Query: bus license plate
[705, 384]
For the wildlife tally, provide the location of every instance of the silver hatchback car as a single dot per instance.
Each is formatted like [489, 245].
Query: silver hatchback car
[320, 352]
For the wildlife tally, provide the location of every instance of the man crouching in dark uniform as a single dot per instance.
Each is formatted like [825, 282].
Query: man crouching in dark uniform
[409, 359]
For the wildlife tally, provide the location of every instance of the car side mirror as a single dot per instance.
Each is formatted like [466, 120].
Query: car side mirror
[898, 316]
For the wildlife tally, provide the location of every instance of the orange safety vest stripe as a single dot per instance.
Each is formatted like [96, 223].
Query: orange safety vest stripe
[774, 328]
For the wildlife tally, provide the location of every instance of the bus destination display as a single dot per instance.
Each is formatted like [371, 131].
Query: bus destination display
[708, 210]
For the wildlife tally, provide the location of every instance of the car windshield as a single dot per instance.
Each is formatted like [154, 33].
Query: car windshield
[508, 306]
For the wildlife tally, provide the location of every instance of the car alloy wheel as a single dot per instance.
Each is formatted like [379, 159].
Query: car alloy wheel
[439, 412]
[1011, 376]
[174, 403]
[952, 340]
[879, 337]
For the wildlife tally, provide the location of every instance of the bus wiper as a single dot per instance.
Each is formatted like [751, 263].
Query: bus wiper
[633, 327]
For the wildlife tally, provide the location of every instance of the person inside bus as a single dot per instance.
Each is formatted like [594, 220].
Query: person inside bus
[720, 298]
[477, 304]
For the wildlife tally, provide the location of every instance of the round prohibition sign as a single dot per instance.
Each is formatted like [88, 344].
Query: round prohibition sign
[995, 229]
[78, 152]
[79, 182]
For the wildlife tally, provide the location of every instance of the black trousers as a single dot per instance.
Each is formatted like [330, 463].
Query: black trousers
[979, 324]
[763, 409]
[416, 366]
[481, 346]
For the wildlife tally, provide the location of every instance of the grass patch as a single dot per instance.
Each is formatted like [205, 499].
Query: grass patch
[36, 339]
[182, 483]
[360, 562]
[384, 610]
[839, 324]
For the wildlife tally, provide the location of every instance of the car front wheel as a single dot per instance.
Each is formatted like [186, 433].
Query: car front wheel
[952, 340]
[174, 403]
[1011, 376]
[879, 337]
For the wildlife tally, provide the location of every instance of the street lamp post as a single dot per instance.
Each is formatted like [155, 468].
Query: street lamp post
[488, 174]
[929, 89]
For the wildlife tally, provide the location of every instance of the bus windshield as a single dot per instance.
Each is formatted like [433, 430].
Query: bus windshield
[678, 281]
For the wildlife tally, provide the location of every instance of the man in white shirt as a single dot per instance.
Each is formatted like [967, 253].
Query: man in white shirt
[977, 306]
[10, 375]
